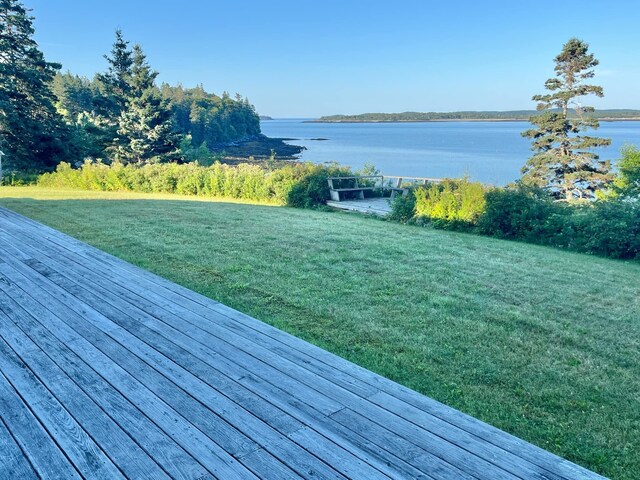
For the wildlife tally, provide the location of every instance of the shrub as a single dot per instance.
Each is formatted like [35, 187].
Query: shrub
[458, 202]
[609, 228]
[19, 178]
[612, 229]
[403, 208]
[516, 214]
[313, 188]
[301, 185]
[627, 182]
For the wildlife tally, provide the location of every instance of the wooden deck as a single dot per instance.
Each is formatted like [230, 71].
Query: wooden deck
[108, 371]
[373, 206]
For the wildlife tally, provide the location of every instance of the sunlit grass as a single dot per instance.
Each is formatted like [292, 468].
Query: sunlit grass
[540, 342]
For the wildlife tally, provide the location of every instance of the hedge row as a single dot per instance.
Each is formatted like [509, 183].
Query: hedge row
[300, 185]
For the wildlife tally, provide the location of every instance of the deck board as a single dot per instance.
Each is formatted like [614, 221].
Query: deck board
[108, 371]
[371, 206]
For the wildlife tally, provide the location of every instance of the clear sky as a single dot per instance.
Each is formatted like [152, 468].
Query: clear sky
[305, 58]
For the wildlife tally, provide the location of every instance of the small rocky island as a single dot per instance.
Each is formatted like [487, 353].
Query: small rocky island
[259, 147]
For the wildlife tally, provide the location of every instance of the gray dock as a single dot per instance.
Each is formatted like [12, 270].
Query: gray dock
[372, 206]
[108, 371]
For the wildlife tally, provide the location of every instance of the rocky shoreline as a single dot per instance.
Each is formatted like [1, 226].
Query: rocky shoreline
[260, 147]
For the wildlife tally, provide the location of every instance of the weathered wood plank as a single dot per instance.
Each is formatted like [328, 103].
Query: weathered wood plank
[147, 435]
[175, 428]
[42, 452]
[126, 453]
[200, 316]
[79, 447]
[13, 462]
[400, 447]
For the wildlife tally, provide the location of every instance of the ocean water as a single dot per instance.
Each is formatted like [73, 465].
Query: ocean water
[490, 152]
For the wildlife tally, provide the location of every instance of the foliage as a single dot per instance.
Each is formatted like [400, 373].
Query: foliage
[562, 162]
[145, 131]
[209, 119]
[627, 182]
[32, 133]
[95, 112]
[516, 213]
[190, 153]
[313, 188]
[301, 185]
[115, 84]
[608, 228]
[403, 208]
[450, 201]
[122, 115]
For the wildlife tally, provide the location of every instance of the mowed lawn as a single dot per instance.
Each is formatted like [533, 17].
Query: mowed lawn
[542, 343]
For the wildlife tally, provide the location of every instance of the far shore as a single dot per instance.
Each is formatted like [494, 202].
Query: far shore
[449, 120]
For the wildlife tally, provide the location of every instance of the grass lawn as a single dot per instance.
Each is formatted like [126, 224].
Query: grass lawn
[542, 343]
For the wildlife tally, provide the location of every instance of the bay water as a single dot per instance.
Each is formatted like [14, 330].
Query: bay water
[490, 152]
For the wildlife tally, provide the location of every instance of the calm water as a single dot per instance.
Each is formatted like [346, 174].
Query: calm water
[491, 152]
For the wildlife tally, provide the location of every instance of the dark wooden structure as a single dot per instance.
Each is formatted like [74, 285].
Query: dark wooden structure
[361, 183]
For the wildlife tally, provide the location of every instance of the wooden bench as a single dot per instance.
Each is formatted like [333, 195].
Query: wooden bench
[403, 184]
[335, 191]
[397, 185]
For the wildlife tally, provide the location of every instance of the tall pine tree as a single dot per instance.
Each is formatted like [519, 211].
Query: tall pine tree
[145, 130]
[563, 163]
[116, 81]
[32, 133]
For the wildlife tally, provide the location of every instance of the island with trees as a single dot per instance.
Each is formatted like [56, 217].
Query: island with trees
[468, 116]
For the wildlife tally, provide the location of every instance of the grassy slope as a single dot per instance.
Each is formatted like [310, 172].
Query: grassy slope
[539, 342]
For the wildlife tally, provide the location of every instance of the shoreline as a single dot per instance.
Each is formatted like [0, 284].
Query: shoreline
[450, 120]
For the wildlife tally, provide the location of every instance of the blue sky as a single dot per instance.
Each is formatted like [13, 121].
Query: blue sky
[308, 58]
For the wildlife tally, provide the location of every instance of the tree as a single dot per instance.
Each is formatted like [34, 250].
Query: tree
[563, 164]
[32, 133]
[145, 130]
[116, 81]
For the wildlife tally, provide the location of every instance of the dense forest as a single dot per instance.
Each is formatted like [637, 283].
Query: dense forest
[524, 115]
[121, 114]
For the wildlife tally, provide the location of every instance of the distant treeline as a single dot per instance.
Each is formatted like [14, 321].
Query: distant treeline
[615, 114]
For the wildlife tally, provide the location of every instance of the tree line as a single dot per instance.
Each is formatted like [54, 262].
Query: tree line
[488, 115]
[120, 114]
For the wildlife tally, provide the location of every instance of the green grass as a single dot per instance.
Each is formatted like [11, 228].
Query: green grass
[542, 343]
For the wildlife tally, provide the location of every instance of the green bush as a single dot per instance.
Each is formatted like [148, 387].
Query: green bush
[611, 229]
[455, 202]
[403, 208]
[19, 178]
[301, 185]
[608, 228]
[627, 182]
[516, 214]
[313, 188]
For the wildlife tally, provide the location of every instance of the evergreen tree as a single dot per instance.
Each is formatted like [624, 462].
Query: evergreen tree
[32, 133]
[563, 163]
[145, 130]
[115, 83]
